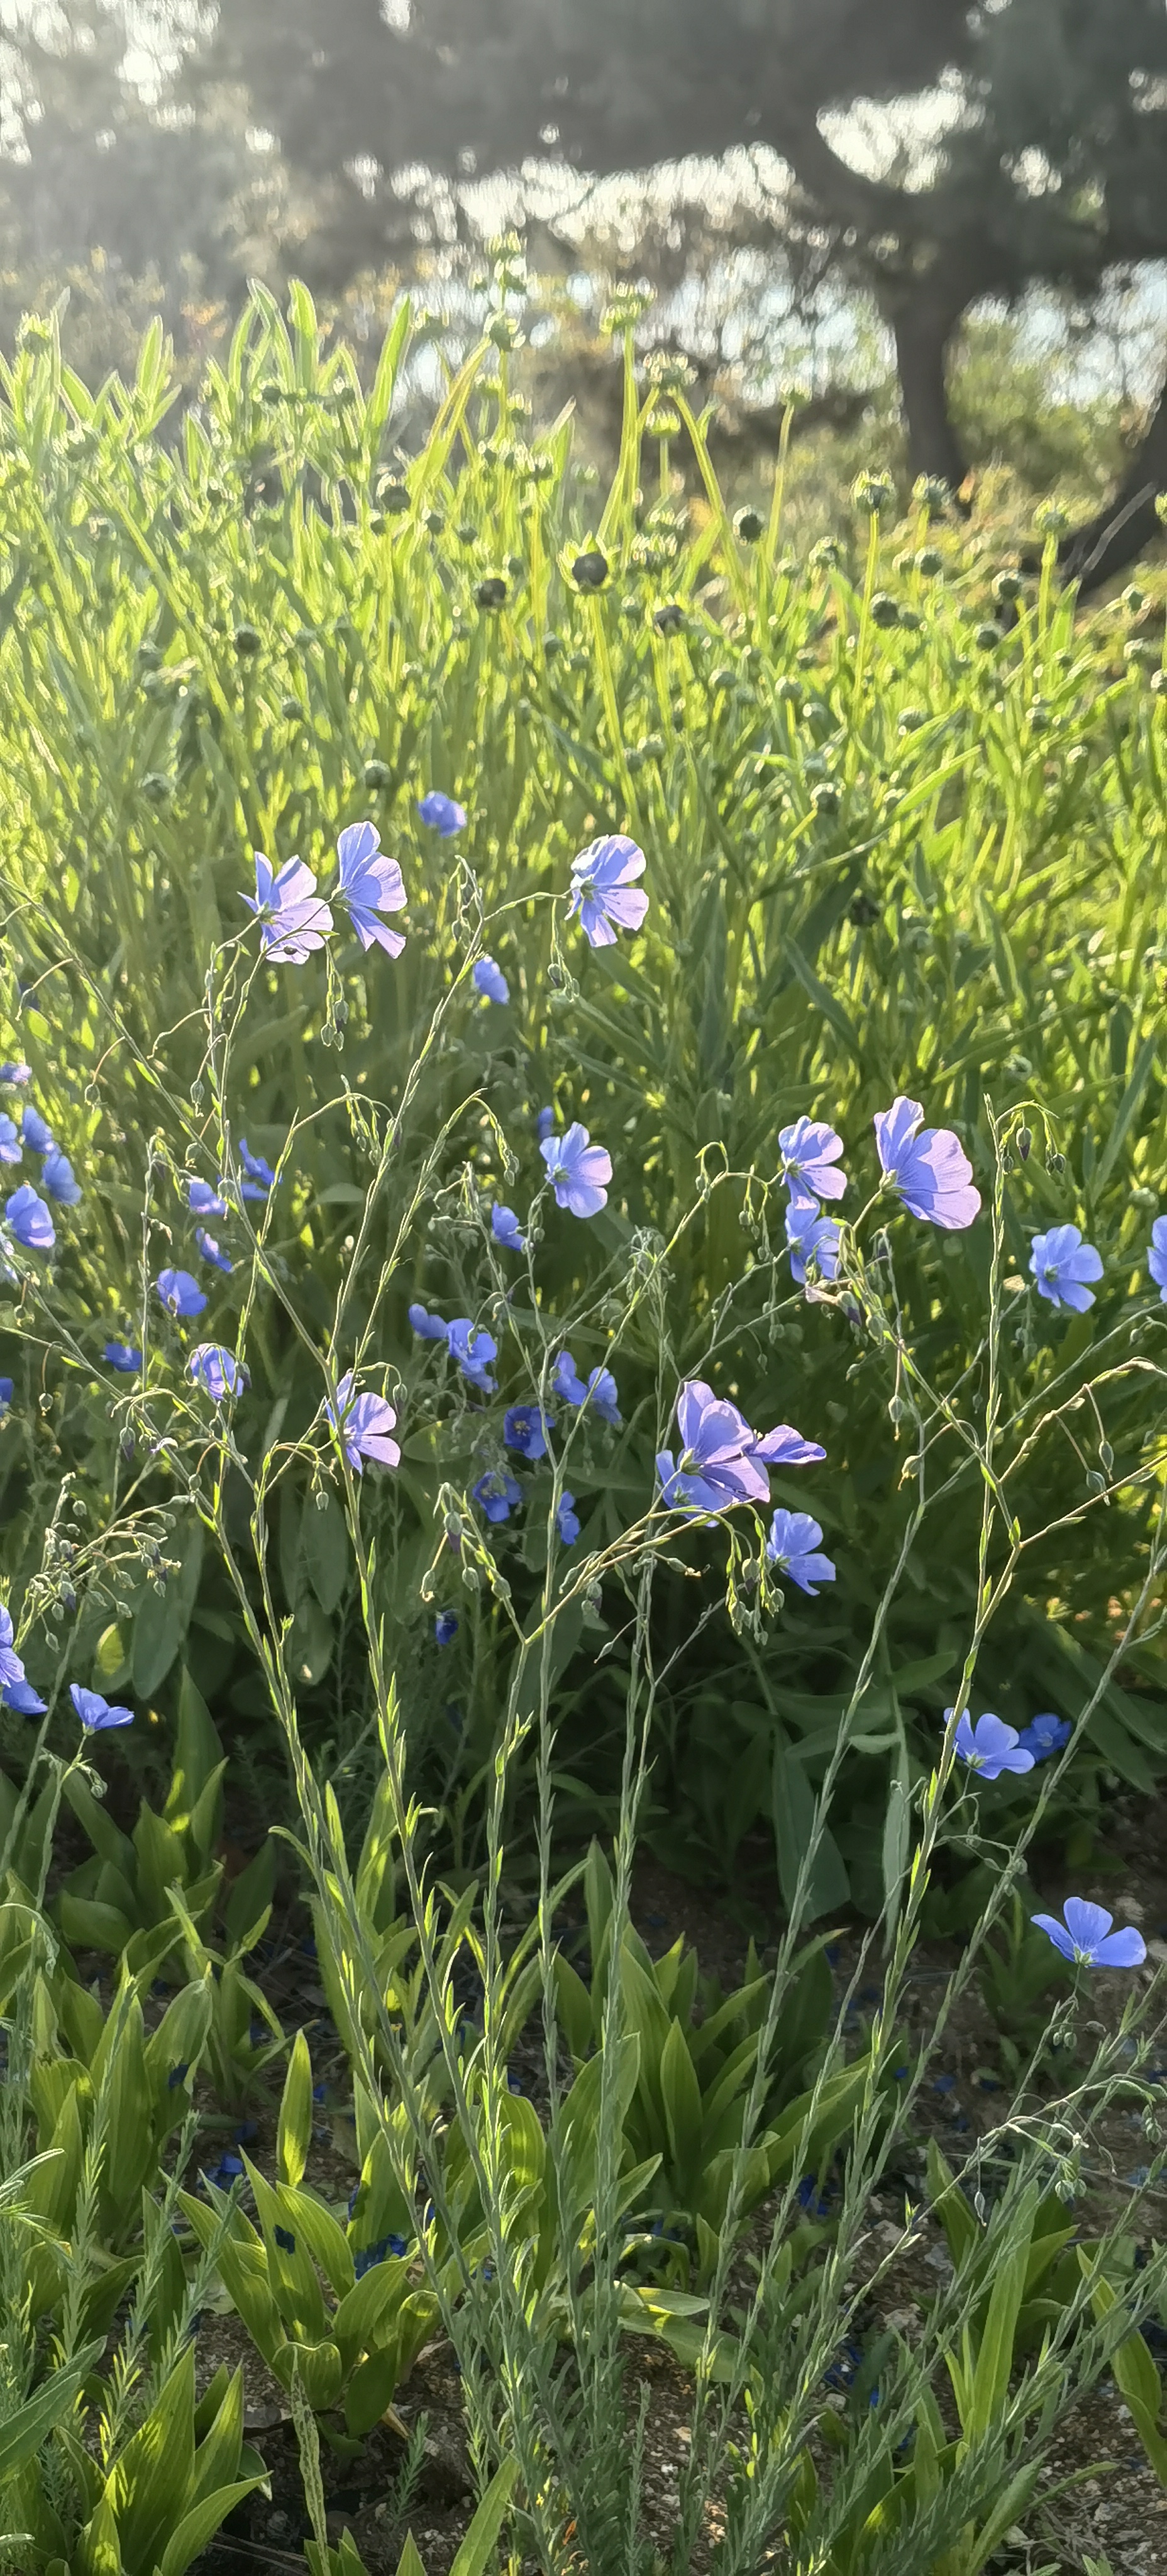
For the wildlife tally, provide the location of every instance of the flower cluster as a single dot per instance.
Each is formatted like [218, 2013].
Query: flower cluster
[294, 919]
[26, 1213]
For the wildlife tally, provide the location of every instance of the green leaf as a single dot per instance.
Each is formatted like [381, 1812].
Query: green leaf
[148, 2487]
[476, 2550]
[21, 2436]
[681, 2094]
[294, 2133]
[310, 1643]
[324, 1550]
[197, 2528]
[410, 2563]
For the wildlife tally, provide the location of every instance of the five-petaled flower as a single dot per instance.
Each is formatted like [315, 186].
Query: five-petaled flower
[791, 1546]
[504, 1226]
[1045, 1735]
[814, 1241]
[11, 1667]
[18, 1073]
[368, 883]
[716, 1468]
[577, 1170]
[1157, 1256]
[213, 1251]
[525, 1428]
[180, 1292]
[1086, 1937]
[1061, 1264]
[122, 1356]
[442, 813]
[598, 1390]
[364, 1423]
[10, 1145]
[810, 1151]
[930, 1169]
[293, 918]
[603, 892]
[567, 1519]
[218, 1370]
[57, 1177]
[95, 1712]
[30, 1220]
[489, 980]
[429, 1328]
[473, 1350]
[990, 1746]
[37, 1133]
[497, 1494]
[21, 1697]
[260, 1176]
[202, 1200]
[544, 1124]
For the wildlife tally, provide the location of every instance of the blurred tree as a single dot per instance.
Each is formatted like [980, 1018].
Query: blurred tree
[1032, 142]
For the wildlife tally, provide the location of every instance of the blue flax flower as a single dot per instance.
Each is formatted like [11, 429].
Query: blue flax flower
[473, 1351]
[716, 1466]
[497, 1495]
[7, 1391]
[545, 1124]
[370, 2255]
[567, 1519]
[365, 1422]
[180, 1292]
[810, 1151]
[524, 1428]
[293, 918]
[11, 1667]
[37, 1133]
[812, 1238]
[430, 1328]
[504, 1226]
[21, 1697]
[1157, 1256]
[1045, 1735]
[30, 1220]
[599, 1391]
[58, 1179]
[489, 980]
[442, 814]
[218, 1370]
[368, 883]
[785, 1447]
[202, 1200]
[121, 1356]
[227, 2171]
[602, 889]
[260, 1176]
[990, 1746]
[577, 1170]
[791, 1547]
[1086, 1937]
[1061, 1264]
[446, 1627]
[18, 1073]
[10, 1146]
[930, 1169]
[95, 1712]
[212, 1251]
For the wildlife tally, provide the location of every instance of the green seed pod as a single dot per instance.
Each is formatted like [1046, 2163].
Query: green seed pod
[491, 593]
[884, 610]
[1007, 586]
[378, 774]
[590, 569]
[748, 526]
[987, 638]
[929, 562]
[247, 641]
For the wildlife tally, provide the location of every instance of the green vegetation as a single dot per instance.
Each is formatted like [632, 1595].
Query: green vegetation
[900, 809]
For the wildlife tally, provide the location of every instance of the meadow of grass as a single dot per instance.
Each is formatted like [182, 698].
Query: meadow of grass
[901, 811]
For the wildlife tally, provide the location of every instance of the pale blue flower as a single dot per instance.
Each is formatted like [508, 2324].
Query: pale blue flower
[810, 1151]
[497, 1495]
[365, 1423]
[473, 1350]
[369, 883]
[11, 1668]
[260, 1176]
[293, 918]
[431, 1328]
[10, 1146]
[180, 1292]
[504, 1226]
[1157, 1256]
[30, 1220]
[95, 1712]
[202, 1200]
[567, 1519]
[812, 1237]
[446, 1627]
[37, 1133]
[990, 1746]
[121, 1356]
[577, 1170]
[57, 1178]
[716, 1466]
[545, 1124]
[489, 980]
[212, 1251]
[599, 1391]
[791, 1546]
[1061, 1264]
[21, 1697]
[1045, 1735]
[1086, 1937]
[441, 813]
[524, 1428]
[930, 1169]
[218, 1370]
[18, 1073]
[602, 889]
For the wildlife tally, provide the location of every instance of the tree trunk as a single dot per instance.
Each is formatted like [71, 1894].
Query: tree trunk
[1092, 554]
[922, 335]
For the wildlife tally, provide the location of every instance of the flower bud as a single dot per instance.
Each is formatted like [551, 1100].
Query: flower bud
[1024, 1142]
[748, 526]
